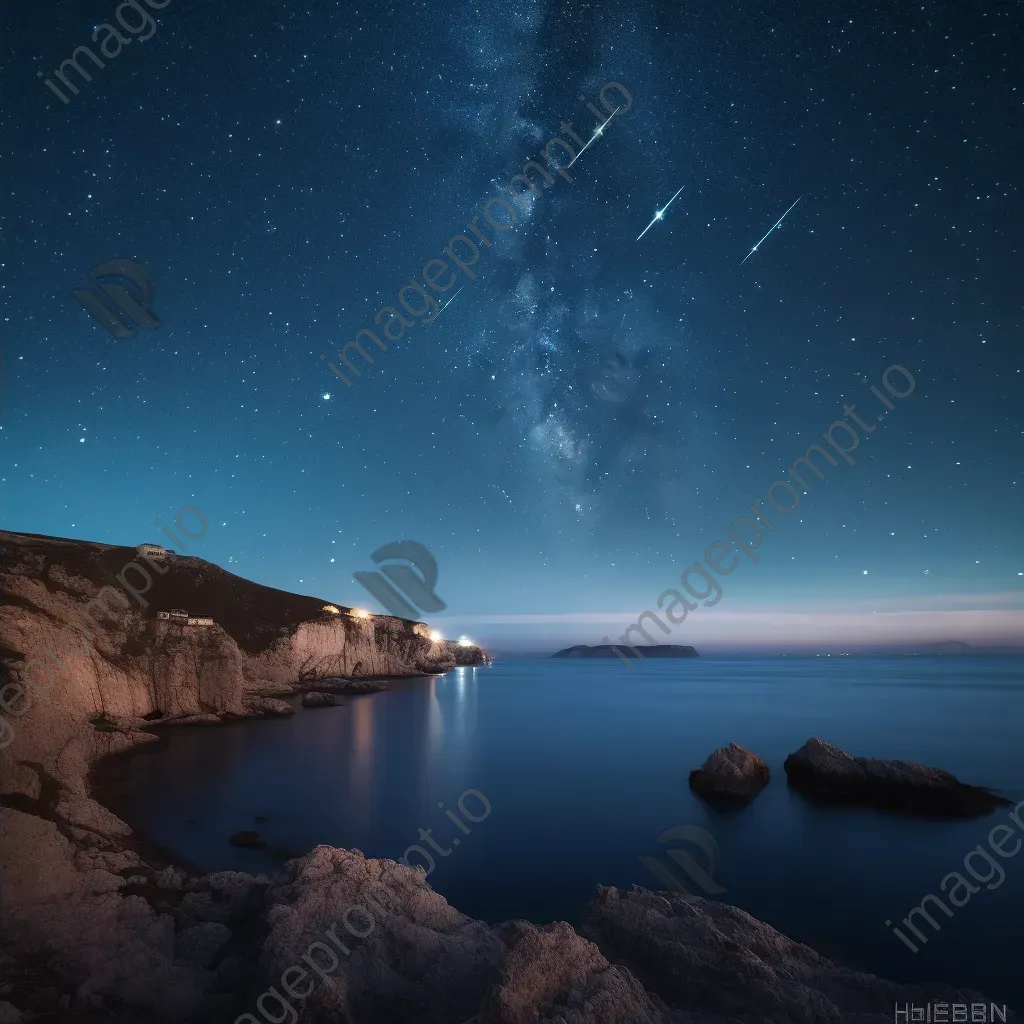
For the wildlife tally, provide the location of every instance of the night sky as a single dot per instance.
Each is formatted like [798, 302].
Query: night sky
[593, 410]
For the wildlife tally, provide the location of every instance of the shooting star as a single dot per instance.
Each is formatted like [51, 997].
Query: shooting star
[447, 304]
[658, 214]
[770, 230]
[598, 132]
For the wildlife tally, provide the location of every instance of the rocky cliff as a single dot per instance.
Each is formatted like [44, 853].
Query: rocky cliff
[80, 641]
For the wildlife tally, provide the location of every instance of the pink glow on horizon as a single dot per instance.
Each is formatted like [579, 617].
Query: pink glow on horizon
[795, 627]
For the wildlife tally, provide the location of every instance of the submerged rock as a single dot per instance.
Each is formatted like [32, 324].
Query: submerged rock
[831, 775]
[342, 684]
[314, 699]
[248, 838]
[731, 774]
[268, 707]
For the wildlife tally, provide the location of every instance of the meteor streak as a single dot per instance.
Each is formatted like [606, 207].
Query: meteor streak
[659, 214]
[597, 133]
[442, 308]
[448, 303]
[770, 230]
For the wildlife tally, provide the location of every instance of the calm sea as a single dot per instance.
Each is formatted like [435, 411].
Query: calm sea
[584, 764]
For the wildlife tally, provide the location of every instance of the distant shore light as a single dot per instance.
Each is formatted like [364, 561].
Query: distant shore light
[436, 636]
[464, 641]
[360, 613]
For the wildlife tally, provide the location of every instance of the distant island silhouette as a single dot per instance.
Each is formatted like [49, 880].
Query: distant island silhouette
[611, 651]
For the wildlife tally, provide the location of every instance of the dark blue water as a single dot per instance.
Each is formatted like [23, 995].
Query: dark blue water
[585, 763]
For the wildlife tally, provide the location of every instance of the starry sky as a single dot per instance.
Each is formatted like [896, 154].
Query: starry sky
[594, 408]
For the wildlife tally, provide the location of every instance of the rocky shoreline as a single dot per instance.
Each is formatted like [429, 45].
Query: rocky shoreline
[110, 928]
[99, 925]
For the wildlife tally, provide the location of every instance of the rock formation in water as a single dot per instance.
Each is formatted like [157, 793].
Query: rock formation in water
[831, 775]
[318, 699]
[731, 774]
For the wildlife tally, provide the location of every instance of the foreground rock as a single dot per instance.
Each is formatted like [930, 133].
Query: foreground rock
[731, 774]
[829, 774]
[716, 962]
[96, 928]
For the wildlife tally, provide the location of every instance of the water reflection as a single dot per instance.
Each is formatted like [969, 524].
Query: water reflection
[367, 773]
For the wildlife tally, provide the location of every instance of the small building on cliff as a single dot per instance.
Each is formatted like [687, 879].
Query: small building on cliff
[182, 618]
[153, 551]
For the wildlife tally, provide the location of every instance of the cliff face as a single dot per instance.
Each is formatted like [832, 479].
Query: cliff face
[194, 671]
[341, 645]
[80, 642]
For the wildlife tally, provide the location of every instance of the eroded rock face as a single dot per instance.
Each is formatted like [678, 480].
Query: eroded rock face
[717, 962]
[369, 940]
[195, 671]
[88, 662]
[731, 774]
[343, 647]
[831, 775]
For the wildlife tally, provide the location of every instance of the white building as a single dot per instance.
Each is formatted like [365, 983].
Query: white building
[182, 617]
[153, 550]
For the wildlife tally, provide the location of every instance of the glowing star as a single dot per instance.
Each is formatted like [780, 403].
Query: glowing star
[598, 132]
[326, 396]
[770, 230]
[658, 214]
[436, 636]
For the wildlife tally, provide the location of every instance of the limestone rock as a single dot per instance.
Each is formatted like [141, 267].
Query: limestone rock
[318, 700]
[201, 943]
[268, 706]
[715, 961]
[171, 878]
